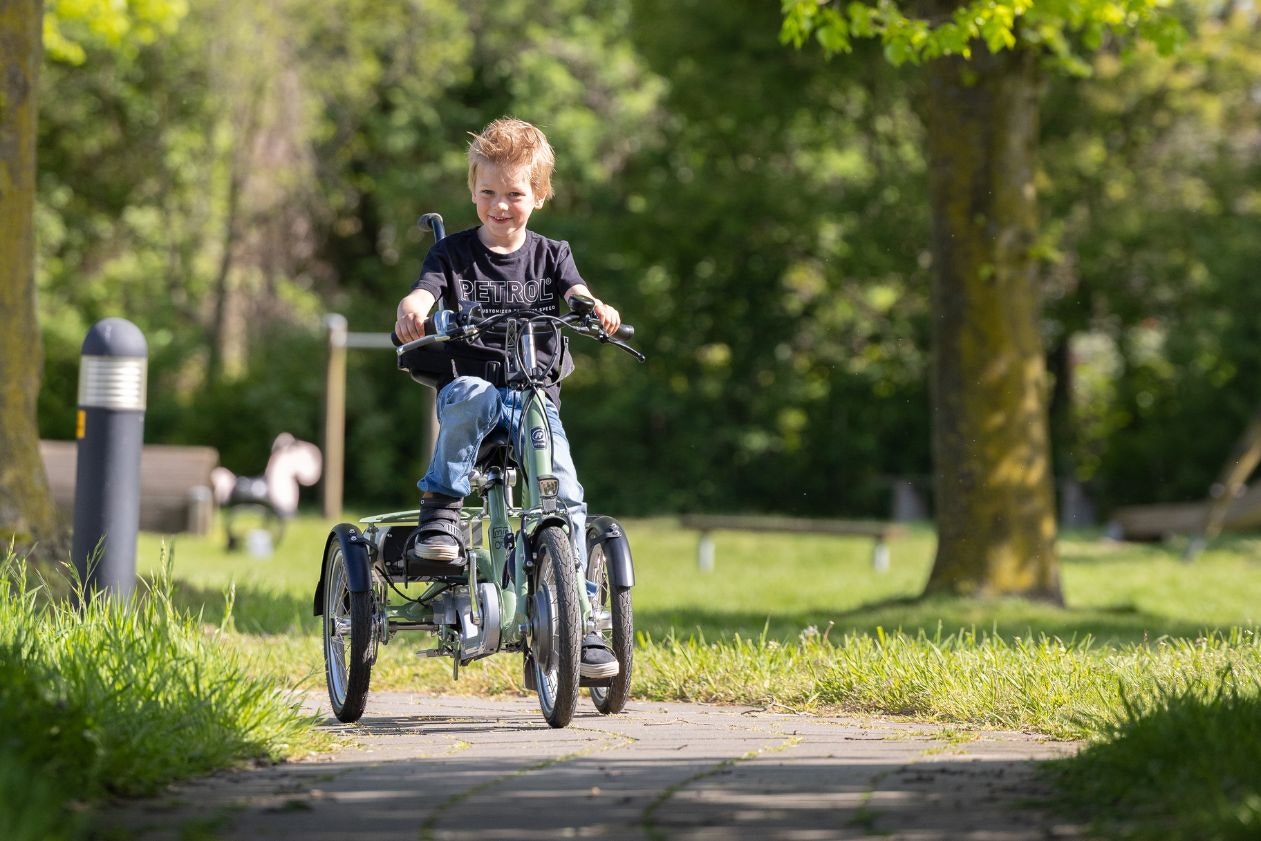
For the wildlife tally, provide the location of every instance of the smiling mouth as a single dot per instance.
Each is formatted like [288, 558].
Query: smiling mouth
[502, 220]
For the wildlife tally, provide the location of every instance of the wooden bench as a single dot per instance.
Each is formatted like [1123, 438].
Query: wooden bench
[880, 532]
[175, 493]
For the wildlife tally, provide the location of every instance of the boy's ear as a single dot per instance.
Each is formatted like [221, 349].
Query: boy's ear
[538, 204]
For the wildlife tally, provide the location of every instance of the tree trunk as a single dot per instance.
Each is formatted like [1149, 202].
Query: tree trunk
[994, 499]
[27, 514]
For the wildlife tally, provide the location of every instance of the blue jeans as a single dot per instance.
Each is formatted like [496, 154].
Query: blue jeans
[469, 409]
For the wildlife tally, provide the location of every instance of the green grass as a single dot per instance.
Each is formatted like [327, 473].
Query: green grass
[804, 623]
[1184, 767]
[119, 699]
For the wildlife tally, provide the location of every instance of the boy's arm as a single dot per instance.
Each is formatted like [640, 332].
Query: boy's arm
[410, 323]
[610, 319]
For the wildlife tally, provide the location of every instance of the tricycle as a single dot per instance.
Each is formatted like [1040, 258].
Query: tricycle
[520, 588]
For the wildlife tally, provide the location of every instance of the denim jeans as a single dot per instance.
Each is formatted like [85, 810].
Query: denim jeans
[469, 409]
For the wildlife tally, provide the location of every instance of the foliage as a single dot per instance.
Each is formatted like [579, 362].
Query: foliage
[923, 31]
[72, 25]
[759, 214]
[1149, 281]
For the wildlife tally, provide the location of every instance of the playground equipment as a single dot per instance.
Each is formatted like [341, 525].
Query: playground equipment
[273, 497]
[1231, 504]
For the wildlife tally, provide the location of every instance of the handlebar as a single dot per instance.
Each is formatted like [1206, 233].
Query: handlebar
[444, 326]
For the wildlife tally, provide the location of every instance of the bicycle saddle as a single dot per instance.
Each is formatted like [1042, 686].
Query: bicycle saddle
[489, 451]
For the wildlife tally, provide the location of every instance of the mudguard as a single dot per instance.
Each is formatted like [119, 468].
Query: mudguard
[356, 549]
[617, 553]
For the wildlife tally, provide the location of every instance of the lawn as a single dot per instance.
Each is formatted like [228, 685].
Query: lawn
[779, 585]
[1145, 644]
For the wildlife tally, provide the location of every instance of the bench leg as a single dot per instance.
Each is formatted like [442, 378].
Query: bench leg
[705, 553]
[880, 556]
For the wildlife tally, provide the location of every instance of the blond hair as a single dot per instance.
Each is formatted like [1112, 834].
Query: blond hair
[513, 146]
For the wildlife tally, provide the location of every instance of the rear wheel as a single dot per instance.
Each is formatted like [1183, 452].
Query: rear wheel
[612, 606]
[349, 649]
[555, 638]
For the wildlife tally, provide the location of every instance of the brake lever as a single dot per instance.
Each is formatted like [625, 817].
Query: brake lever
[618, 343]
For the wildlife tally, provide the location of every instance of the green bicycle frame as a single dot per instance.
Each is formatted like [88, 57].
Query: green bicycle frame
[492, 540]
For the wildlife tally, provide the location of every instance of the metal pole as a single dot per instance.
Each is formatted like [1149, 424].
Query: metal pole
[335, 415]
[113, 375]
[705, 552]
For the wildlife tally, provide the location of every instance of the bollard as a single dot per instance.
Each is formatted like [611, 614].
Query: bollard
[110, 431]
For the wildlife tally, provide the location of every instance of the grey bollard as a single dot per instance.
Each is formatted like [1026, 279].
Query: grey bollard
[110, 431]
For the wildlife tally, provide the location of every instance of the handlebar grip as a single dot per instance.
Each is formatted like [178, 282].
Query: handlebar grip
[429, 331]
[626, 331]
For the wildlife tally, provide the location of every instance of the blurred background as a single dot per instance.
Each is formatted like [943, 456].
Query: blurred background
[230, 172]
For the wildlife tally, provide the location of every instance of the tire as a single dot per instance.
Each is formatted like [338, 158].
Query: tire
[555, 632]
[349, 648]
[620, 633]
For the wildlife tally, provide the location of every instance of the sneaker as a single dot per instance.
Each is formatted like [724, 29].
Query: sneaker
[597, 660]
[436, 546]
[439, 534]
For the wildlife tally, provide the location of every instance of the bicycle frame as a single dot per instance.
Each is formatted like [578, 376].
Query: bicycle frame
[500, 553]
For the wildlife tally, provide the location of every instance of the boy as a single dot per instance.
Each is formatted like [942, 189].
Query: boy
[503, 266]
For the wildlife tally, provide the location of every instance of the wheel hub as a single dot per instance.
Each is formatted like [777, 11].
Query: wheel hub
[541, 628]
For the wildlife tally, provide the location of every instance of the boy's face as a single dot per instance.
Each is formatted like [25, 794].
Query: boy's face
[504, 202]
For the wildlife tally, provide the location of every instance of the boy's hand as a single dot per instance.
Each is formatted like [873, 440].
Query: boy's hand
[610, 319]
[410, 323]
[410, 327]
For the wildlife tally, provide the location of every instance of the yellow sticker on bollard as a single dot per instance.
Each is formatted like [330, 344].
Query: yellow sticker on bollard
[80, 424]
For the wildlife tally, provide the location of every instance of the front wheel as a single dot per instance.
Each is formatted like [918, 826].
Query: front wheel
[349, 648]
[555, 617]
[612, 606]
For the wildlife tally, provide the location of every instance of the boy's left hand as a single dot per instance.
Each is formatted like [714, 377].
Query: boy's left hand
[610, 319]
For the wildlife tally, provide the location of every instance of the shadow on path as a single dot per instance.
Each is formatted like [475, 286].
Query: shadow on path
[468, 767]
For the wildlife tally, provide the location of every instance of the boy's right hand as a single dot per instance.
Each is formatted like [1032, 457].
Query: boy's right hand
[410, 321]
[409, 327]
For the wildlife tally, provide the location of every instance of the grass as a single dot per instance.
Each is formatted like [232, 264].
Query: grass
[119, 698]
[804, 623]
[1184, 767]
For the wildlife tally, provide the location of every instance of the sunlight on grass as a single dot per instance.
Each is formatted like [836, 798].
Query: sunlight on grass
[120, 698]
[804, 623]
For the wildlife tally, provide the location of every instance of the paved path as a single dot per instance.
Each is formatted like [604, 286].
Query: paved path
[450, 767]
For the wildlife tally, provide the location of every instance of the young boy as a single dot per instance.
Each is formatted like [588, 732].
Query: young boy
[503, 266]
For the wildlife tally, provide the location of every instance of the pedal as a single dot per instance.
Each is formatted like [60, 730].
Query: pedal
[600, 682]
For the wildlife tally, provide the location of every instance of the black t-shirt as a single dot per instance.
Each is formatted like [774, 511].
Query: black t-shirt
[535, 276]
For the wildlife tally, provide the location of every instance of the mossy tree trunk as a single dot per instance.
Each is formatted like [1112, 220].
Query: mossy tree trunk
[27, 514]
[993, 484]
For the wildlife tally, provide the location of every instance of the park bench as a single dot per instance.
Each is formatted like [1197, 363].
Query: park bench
[175, 493]
[880, 532]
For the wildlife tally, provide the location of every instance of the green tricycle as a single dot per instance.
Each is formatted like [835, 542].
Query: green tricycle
[520, 589]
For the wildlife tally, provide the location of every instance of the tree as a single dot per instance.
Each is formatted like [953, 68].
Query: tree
[992, 462]
[27, 514]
